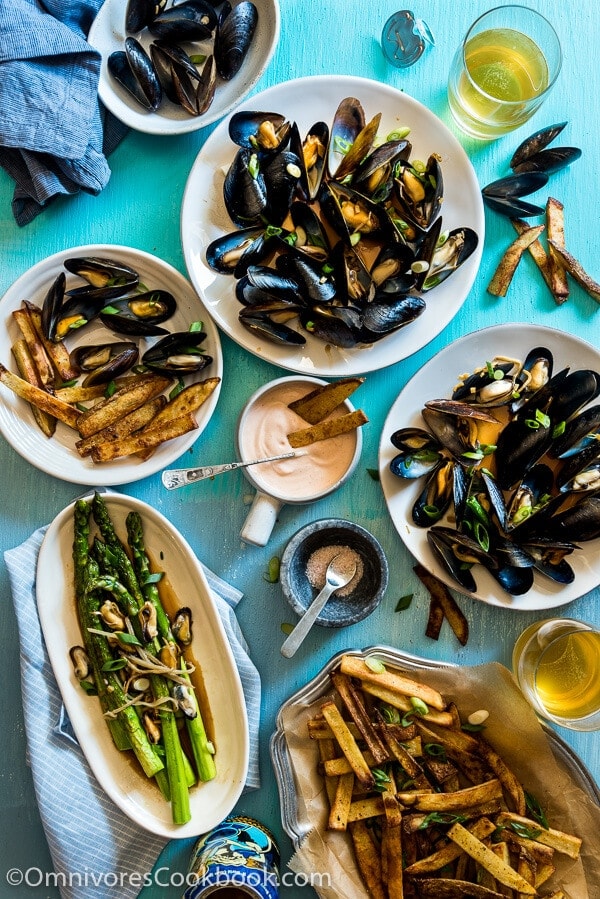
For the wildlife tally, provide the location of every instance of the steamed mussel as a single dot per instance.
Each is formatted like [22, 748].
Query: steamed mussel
[510, 465]
[351, 222]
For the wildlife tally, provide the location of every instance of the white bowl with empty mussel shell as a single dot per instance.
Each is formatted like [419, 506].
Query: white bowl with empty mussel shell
[173, 67]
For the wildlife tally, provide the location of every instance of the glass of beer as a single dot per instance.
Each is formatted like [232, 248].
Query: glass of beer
[557, 665]
[503, 71]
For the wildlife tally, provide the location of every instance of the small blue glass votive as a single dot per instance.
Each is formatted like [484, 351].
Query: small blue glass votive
[404, 39]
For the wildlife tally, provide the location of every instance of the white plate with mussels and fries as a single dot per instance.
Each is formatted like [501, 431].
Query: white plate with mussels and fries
[204, 219]
[57, 455]
[217, 679]
[531, 769]
[437, 380]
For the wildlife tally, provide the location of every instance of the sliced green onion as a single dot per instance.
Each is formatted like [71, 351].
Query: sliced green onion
[404, 602]
[375, 665]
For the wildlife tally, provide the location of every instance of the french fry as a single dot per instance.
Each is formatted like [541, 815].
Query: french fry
[353, 701]
[27, 370]
[133, 421]
[338, 813]
[321, 402]
[503, 275]
[76, 393]
[443, 888]
[392, 680]
[367, 858]
[556, 839]
[555, 231]
[452, 802]
[44, 401]
[539, 256]
[35, 346]
[489, 860]
[401, 701]
[447, 854]
[441, 596]
[512, 787]
[55, 349]
[332, 427]
[145, 439]
[348, 744]
[576, 270]
[188, 400]
[107, 411]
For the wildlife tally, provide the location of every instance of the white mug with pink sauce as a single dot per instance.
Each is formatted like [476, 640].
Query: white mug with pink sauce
[315, 471]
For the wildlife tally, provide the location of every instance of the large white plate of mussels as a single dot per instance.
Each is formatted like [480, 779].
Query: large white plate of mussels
[489, 463]
[341, 267]
[174, 308]
[174, 66]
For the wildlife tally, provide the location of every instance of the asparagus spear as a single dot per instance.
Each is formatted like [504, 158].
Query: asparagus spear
[201, 747]
[97, 646]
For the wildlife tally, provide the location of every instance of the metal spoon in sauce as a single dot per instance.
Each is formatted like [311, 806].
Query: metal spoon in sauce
[179, 477]
[339, 573]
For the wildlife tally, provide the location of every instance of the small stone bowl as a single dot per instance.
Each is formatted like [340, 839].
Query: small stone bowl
[343, 610]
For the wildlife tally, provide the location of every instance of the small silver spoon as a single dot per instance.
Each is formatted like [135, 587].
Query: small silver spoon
[337, 576]
[179, 477]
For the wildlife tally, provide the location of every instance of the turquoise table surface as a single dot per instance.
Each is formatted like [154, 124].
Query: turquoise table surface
[140, 208]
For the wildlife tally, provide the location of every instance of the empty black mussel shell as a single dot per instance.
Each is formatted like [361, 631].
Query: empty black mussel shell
[133, 69]
[261, 324]
[518, 185]
[535, 142]
[348, 122]
[178, 353]
[193, 20]
[549, 161]
[233, 38]
[168, 59]
[512, 207]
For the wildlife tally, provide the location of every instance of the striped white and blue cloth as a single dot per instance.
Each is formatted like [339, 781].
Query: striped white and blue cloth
[86, 832]
[54, 133]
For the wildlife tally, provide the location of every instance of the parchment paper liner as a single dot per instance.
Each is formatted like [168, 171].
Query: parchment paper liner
[515, 733]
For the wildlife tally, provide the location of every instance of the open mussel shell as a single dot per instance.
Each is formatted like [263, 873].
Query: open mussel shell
[535, 142]
[232, 253]
[261, 283]
[104, 362]
[579, 433]
[133, 69]
[281, 175]
[168, 60]
[381, 316]
[351, 214]
[355, 153]
[192, 20]
[419, 193]
[178, 353]
[419, 453]
[348, 122]
[331, 325]
[513, 207]
[457, 553]
[308, 237]
[354, 283]
[51, 306]
[374, 176]
[312, 152]
[434, 500]
[264, 321]
[449, 255]
[315, 287]
[233, 38]
[100, 271]
[265, 132]
[530, 495]
[140, 315]
[549, 161]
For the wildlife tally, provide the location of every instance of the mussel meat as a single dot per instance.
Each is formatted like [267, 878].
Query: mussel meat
[178, 353]
[140, 315]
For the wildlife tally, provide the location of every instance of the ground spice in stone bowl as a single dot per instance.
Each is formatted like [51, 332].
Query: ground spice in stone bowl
[304, 563]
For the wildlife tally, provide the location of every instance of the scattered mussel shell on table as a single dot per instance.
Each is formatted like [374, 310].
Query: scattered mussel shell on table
[532, 163]
[104, 362]
[523, 505]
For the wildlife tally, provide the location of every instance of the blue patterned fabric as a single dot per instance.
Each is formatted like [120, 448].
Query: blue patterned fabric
[54, 132]
[86, 832]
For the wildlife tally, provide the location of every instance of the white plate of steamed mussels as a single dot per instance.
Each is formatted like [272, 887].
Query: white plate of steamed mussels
[314, 262]
[176, 66]
[174, 309]
[215, 679]
[489, 464]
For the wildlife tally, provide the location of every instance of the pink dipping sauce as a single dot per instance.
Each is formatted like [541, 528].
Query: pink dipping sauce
[266, 424]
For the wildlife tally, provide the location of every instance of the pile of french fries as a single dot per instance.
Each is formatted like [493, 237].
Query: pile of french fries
[134, 419]
[554, 263]
[431, 809]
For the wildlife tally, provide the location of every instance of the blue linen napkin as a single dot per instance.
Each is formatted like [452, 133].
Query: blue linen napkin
[67, 791]
[54, 132]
